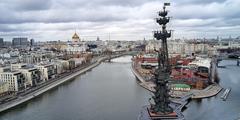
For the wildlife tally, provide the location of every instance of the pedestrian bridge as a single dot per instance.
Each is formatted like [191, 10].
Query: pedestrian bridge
[118, 54]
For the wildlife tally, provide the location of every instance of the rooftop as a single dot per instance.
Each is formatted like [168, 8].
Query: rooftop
[28, 66]
[181, 86]
[204, 62]
[45, 64]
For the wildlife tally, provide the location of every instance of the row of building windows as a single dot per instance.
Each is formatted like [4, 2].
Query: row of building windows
[6, 75]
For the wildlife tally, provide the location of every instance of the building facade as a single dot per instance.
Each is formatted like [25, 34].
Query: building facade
[32, 75]
[32, 42]
[1, 42]
[15, 80]
[20, 41]
[48, 71]
[4, 88]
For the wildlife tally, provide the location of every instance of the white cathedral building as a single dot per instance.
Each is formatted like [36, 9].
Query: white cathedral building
[76, 46]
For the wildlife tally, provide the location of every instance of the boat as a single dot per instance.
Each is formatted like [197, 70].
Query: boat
[233, 56]
[225, 94]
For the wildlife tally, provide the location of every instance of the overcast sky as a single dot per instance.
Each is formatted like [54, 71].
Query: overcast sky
[120, 19]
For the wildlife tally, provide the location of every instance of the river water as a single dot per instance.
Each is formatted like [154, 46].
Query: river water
[110, 92]
[215, 108]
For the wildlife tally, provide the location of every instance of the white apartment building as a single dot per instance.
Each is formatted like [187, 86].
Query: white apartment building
[48, 71]
[16, 80]
[31, 74]
[179, 47]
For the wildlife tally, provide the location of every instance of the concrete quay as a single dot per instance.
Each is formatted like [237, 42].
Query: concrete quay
[24, 98]
[210, 91]
[141, 80]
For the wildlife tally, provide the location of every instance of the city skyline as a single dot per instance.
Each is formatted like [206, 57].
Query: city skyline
[118, 20]
[119, 60]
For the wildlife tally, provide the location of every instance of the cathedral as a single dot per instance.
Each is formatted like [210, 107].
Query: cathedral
[76, 46]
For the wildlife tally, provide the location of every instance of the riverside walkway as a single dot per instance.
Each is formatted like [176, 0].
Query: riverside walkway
[142, 81]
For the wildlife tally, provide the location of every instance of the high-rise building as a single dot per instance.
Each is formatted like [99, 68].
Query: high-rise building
[7, 43]
[98, 39]
[32, 42]
[1, 42]
[20, 41]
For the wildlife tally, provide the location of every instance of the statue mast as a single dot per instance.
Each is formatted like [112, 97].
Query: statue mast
[163, 108]
[162, 74]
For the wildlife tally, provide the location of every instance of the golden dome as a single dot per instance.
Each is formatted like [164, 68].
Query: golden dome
[75, 36]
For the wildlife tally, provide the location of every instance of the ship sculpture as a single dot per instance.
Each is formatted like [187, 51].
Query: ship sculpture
[162, 107]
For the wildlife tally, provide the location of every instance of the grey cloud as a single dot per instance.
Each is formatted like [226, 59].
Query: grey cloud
[34, 5]
[130, 17]
[198, 1]
[100, 14]
[97, 3]
[26, 5]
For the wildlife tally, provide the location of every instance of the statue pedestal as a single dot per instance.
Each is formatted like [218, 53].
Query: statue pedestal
[146, 114]
[157, 116]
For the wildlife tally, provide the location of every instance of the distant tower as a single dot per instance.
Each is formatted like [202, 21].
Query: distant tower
[32, 42]
[162, 74]
[218, 38]
[98, 39]
[1, 42]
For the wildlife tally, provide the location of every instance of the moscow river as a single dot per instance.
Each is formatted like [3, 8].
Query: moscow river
[110, 92]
